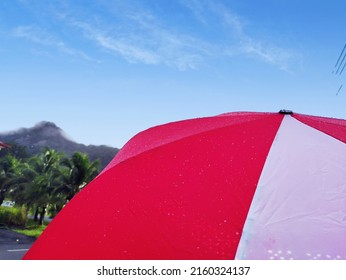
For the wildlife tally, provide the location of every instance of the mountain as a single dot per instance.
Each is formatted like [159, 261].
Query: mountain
[47, 134]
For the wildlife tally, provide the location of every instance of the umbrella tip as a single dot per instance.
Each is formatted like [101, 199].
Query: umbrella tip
[285, 112]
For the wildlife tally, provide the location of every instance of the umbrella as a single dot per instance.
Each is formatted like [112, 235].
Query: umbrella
[3, 145]
[241, 185]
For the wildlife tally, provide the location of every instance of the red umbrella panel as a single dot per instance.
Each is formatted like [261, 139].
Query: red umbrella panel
[238, 185]
[3, 145]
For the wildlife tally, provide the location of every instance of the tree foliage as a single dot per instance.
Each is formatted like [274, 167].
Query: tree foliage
[10, 171]
[76, 172]
[45, 181]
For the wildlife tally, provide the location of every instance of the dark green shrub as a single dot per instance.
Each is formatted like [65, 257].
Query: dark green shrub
[13, 216]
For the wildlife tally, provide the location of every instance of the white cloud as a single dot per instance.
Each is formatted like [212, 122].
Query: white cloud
[38, 35]
[247, 44]
[144, 40]
[237, 40]
[138, 34]
[268, 53]
[127, 49]
[197, 9]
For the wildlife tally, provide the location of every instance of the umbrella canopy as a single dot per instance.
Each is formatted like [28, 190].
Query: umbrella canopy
[3, 145]
[239, 185]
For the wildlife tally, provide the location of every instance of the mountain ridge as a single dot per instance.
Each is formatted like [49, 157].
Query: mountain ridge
[48, 134]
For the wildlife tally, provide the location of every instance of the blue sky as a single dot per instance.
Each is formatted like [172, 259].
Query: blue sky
[105, 70]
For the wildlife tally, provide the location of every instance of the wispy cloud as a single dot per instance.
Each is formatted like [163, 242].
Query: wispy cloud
[39, 36]
[145, 40]
[268, 53]
[238, 41]
[123, 46]
[197, 8]
[139, 33]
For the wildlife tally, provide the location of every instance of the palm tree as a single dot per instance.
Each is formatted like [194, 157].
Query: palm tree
[10, 169]
[77, 171]
[36, 186]
[48, 180]
[21, 185]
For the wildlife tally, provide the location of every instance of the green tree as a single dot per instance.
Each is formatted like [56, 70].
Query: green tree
[10, 170]
[46, 181]
[21, 184]
[40, 180]
[76, 172]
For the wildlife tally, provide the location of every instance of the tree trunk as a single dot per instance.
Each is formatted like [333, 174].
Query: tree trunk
[36, 214]
[2, 195]
[42, 213]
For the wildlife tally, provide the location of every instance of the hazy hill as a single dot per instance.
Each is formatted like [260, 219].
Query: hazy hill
[47, 134]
